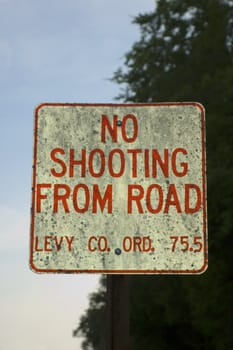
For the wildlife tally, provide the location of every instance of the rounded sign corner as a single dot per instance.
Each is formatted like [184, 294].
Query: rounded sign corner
[204, 268]
[33, 267]
[199, 106]
[40, 106]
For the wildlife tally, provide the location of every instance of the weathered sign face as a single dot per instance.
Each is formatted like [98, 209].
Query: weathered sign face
[119, 188]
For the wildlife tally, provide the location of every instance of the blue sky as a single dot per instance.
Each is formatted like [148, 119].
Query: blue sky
[50, 51]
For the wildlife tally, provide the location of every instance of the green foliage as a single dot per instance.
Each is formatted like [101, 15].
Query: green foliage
[185, 47]
[185, 53]
[92, 324]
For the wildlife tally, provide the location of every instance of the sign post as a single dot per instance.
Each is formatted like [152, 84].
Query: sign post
[118, 310]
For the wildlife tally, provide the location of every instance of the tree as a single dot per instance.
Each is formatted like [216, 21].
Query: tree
[92, 323]
[185, 53]
[184, 48]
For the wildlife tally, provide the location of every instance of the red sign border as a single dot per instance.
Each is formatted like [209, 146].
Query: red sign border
[204, 187]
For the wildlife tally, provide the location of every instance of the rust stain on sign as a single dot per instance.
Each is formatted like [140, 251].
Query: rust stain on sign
[119, 188]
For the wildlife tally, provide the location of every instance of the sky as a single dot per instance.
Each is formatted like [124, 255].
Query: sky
[50, 51]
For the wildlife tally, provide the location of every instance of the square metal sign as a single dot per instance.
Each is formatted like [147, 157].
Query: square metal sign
[119, 188]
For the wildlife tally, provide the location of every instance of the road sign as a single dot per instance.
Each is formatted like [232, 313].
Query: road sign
[119, 188]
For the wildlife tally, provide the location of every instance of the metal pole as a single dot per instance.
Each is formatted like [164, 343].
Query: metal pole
[118, 337]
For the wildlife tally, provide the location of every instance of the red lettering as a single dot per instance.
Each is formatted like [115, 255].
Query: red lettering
[127, 244]
[134, 153]
[40, 196]
[47, 243]
[137, 243]
[156, 158]
[59, 161]
[90, 248]
[62, 197]
[135, 128]
[121, 170]
[58, 242]
[182, 164]
[111, 129]
[135, 197]
[194, 187]
[172, 199]
[69, 242]
[97, 198]
[102, 162]
[146, 163]
[86, 198]
[103, 244]
[160, 198]
[74, 162]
